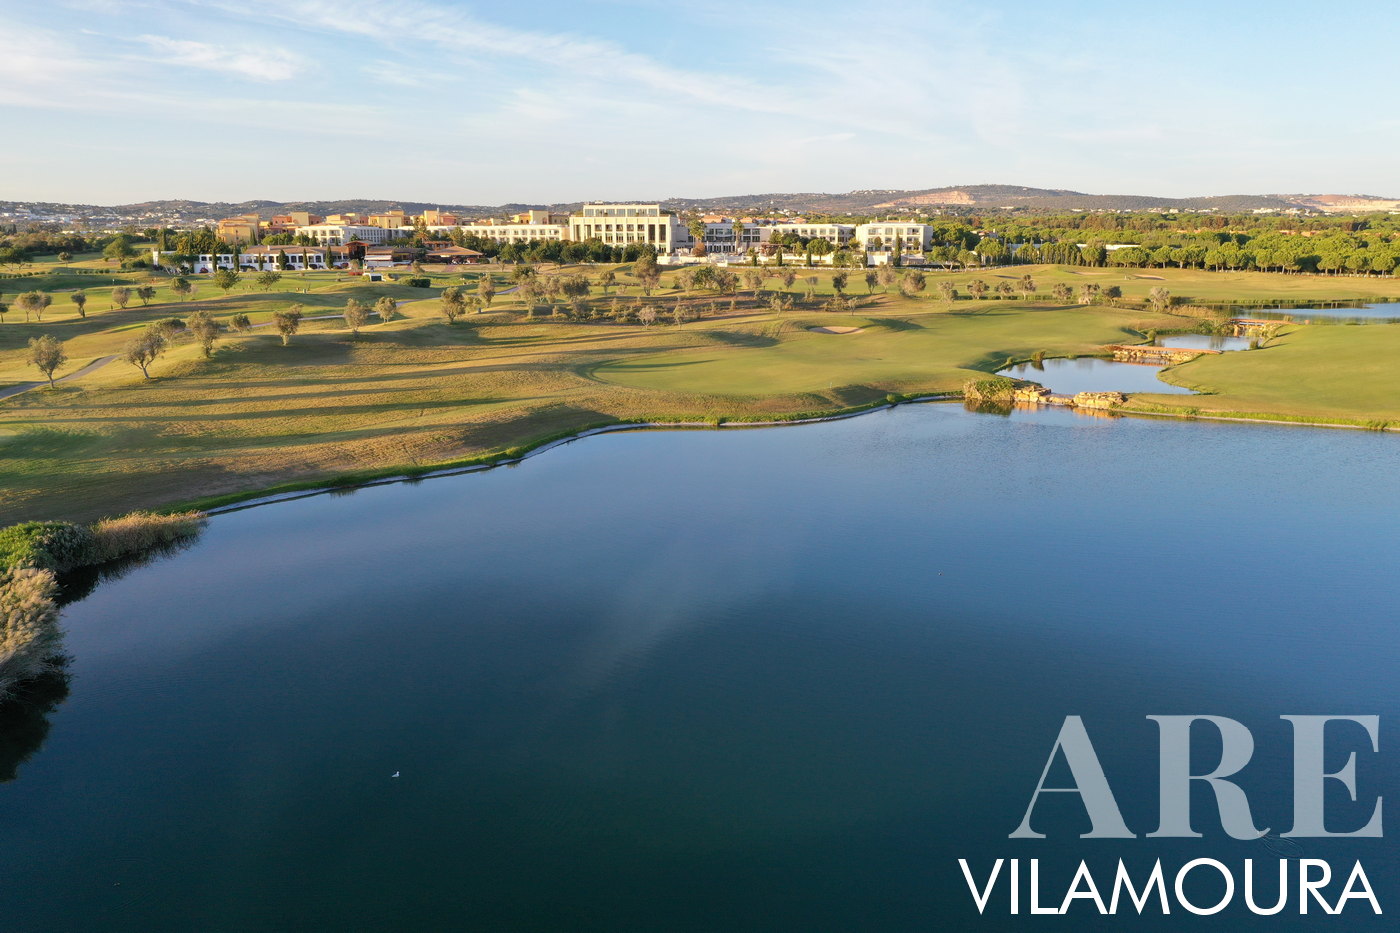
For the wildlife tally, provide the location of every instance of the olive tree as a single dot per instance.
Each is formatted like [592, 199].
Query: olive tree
[205, 329]
[79, 299]
[385, 308]
[453, 304]
[46, 353]
[287, 323]
[356, 314]
[34, 303]
[1159, 298]
[146, 349]
[121, 296]
[226, 279]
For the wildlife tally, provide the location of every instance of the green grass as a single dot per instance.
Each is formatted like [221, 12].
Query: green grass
[1323, 373]
[417, 393]
[919, 351]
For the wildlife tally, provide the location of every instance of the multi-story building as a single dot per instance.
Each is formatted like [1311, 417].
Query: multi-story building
[836, 234]
[511, 233]
[287, 223]
[539, 217]
[390, 220]
[881, 237]
[624, 224]
[335, 234]
[439, 219]
[721, 239]
[297, 259]
[245, 228]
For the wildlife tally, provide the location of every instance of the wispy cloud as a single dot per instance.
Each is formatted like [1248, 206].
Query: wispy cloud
[260, 64]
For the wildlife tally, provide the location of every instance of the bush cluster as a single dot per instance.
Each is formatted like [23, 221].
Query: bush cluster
[52, 546]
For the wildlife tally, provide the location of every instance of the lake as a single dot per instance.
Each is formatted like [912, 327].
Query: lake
[1093, 374]
[1204, 342]
[1380, 312]
[734, 680]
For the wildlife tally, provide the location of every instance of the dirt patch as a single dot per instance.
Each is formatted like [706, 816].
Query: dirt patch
[1157, 277]
[836, 330]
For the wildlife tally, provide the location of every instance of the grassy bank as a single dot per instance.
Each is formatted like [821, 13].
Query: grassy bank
[1320, 374]
[416, 393]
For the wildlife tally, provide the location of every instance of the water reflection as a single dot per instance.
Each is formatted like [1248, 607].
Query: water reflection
[24, 718]
[1091, 374]
[1380, 312]
[1204, 342]
[78, 584]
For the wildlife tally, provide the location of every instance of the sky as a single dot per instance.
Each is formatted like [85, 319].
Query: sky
[460, 102]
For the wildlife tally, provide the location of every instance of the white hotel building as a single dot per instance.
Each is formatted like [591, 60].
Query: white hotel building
[624, 224]
[629, 224]
[837, 235]
[508, 233]
[340, 234]
[912, 237]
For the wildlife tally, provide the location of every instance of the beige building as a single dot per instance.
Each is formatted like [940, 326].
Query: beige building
[390, 220]
[624, 224]
[439, 219]
[245, 228]
[539, 217]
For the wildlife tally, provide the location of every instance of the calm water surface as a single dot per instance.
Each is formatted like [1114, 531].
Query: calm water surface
[1380, 312]
[770, 680]
[1092, 374]
[1204, 342]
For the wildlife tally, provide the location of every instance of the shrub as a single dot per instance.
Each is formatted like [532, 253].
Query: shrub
[141, 531]
[30, 638]
[989, 390]
[54, 546]
[417, 281]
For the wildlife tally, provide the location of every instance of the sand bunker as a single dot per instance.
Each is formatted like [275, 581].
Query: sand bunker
[835, 330]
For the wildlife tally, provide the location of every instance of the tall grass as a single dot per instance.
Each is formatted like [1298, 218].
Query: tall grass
[114, 538]
[30, 639]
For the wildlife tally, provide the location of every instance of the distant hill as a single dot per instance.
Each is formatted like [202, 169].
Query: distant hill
[1343, 203]
[1012, 196]
[968, 198]
[875, 201]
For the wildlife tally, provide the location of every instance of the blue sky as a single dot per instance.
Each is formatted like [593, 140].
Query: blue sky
[484, 103]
